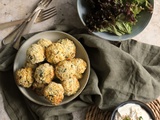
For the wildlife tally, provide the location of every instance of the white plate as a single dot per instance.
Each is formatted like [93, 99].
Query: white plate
[53, 36]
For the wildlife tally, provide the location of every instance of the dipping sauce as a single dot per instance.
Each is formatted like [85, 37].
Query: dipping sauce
[131, 111]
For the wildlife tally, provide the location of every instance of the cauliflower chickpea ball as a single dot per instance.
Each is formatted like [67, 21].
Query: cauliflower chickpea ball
[55, 53]
[38, 88]
[70, 68]
[44, 42]
[69, 48]
[65, 70]
[35, 54]
[61, 50]
[70, 86]
[44, 73]
[29, 64]
[54, 92]
[81, 66]
[24, 77]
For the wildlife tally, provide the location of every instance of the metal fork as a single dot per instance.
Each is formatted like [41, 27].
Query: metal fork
[7, 52]
[15, 35]
[17, 43]
[44, 15]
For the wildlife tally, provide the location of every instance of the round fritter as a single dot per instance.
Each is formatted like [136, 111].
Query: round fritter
[24, 77]
[28, 64]
[44, 73]
[70, 68]
[35, 54]
[55, 53]
[70, 86]
[38, 88]
[54, 92]
[81, 66]
[69, 48]
[61, 50]
[44, 42]
[65, 70]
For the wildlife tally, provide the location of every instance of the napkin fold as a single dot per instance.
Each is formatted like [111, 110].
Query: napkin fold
[119, 72]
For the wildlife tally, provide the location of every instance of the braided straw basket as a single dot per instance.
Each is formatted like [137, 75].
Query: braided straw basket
[94, 113]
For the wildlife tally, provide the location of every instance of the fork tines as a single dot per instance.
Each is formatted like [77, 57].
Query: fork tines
[45, 2]
[46, 14]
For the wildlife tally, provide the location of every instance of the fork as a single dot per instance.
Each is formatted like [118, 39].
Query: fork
[27, 29]
[44, 15]
[15, 35]
[8, 52]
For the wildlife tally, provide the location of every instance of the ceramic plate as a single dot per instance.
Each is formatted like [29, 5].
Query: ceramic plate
[53, 36]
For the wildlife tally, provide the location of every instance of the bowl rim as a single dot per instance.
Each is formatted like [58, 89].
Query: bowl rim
[142, 104]
[106, 35]
[87, 70]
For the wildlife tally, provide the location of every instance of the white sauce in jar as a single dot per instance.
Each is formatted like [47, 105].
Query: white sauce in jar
[132, 112]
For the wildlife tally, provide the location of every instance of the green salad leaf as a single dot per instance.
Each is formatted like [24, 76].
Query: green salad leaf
[115, 16]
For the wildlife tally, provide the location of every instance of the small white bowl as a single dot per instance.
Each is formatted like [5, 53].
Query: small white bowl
[53, 36]
[134, 102]
[143, 20]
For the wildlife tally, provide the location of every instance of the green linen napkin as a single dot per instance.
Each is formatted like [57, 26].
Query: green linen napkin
[118, 73]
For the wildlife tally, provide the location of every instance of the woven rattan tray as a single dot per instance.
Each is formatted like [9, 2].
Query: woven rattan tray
[94, 113]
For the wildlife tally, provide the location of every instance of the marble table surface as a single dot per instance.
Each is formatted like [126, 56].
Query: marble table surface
[67, 14]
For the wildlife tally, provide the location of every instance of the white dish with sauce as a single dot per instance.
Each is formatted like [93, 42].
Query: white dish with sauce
[132, 110]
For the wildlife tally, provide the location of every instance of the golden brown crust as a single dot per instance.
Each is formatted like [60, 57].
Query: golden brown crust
[65, 70]
[38, 88]
[44, 42]
[61, 50]
[24, 77]
[30, 65]
[44, 73]
[54, 92]
[81, 66]
[70, 68]
[71, 86]
[69, 48]
[35, 54]
[55, 53]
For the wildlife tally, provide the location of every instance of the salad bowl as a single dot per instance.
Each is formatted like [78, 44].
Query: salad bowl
[143, 19]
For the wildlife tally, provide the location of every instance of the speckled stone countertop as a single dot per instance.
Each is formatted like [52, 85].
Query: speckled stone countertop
[67, 14]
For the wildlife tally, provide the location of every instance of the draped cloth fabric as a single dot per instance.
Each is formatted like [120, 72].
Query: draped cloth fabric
[127, 70]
